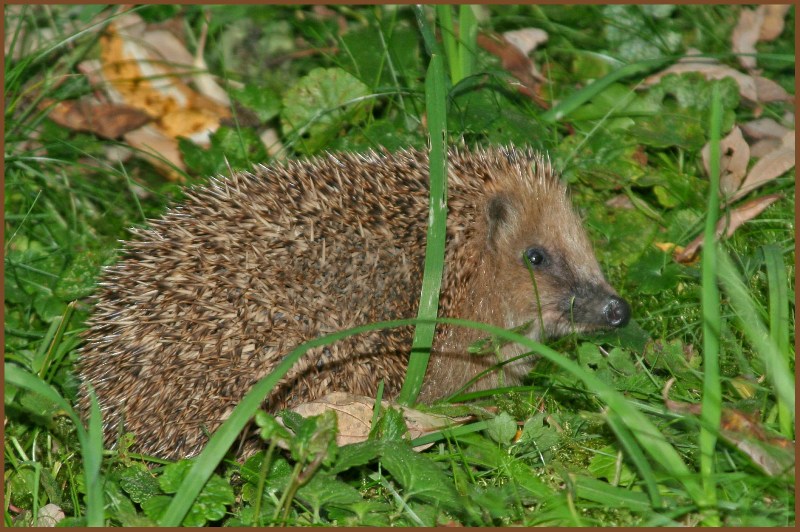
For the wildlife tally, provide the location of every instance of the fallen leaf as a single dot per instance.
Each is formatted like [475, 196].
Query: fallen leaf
[527, 39]
[203, 80]
[354, 417]
[728, 224]
[159, 150]
[516, 62]
[620, 201]
[745, 35]
[773, 453]
[764, 147]
[107, 120]
[771, 166]
[773, 24]
[754, 89]
[49, 515]
[764, 128]
[734, 156]
[148, 70]
[770, 91]
[667, 247]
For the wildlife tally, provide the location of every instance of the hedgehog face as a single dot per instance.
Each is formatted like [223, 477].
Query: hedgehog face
[546, 270]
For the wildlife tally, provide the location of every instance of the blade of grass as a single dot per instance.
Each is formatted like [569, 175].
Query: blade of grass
[435, 92]
[92, 453]
[444, 12]
[711, 409]
[610, 496]
[646, 434]
[576, 99]
[426, 29]
[779, 321]
[778, 370]
[636, 455]
[91, 442]
[467, 40]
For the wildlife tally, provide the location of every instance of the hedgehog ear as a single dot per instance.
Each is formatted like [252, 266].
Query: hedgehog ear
[499, 214]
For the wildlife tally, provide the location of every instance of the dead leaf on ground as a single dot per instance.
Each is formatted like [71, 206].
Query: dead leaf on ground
[773, 453]
[754, 89]
[203, 80]
[620, 201]
[107, 120]
[734, 156]
[517, 63]
[774, 22]
[149, 70]
[728, 224]
[745, 35]
[769, 167]
[764, 128]
[764, 147]
[354, 417]
[765, 23]
[159, 150]
[527, 39]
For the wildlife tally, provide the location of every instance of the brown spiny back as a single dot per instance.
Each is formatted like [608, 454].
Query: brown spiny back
[214, 294]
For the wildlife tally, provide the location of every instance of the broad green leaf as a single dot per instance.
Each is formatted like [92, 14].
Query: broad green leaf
[320, 104]
[419, 476]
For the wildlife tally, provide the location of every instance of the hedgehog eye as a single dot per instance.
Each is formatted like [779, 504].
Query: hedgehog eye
[536, 256]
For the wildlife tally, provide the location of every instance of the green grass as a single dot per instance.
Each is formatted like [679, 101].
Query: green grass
[588, 439]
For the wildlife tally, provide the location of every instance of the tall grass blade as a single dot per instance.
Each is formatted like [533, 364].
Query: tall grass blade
[467, 41]
[778, 370]
[576, 99]
[634, 452]
[435, 92]
[712, 390]
[92, 453]
[444, 13]
[91, 443]
[779, 322]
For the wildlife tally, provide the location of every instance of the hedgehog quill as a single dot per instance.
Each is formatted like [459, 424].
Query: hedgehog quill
[208, 299]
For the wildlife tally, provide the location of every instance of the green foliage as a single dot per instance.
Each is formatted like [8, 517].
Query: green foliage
[230, 148]
[320, 104]
[599, 446]
[209, 506]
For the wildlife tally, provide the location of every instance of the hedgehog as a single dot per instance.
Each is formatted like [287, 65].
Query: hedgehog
[211, 296]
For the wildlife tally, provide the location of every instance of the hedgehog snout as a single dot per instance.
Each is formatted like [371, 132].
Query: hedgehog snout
[596, 306]
[617, 312]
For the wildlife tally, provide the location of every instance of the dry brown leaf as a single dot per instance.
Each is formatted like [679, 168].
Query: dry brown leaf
[753, 89]
[527, 39]
[709, 68]
[773, 453]
[734, 156]
[161, 151]
[354, 417]
[764, 147]
[764, 128]
[516, 62]
[107, 120]
[769, 167]
[620, 201]
[773, 24]
[147, 69]
[769, 91]
[745, 35]
[728, 224]
[49, 515]
[203, 80]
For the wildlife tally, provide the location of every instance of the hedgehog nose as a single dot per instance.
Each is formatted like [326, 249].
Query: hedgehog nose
[617, 312]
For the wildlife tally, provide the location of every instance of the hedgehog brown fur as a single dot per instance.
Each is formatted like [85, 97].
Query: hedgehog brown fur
[215, 293]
